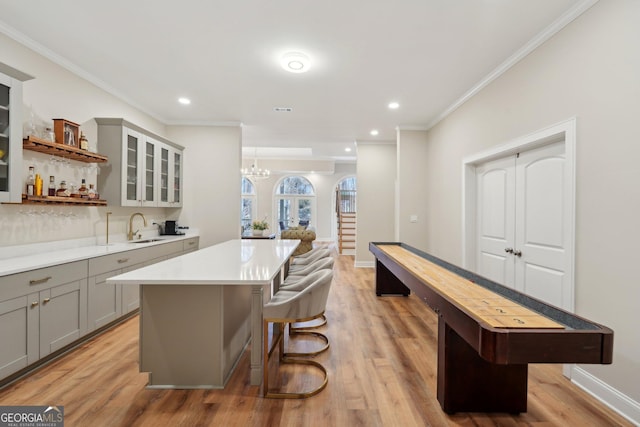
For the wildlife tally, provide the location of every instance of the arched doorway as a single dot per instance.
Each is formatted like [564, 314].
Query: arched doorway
[296, 202]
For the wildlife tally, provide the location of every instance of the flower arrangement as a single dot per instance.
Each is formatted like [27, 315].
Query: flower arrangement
[260, 225]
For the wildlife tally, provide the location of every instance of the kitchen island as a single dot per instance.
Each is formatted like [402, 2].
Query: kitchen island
[199, 311]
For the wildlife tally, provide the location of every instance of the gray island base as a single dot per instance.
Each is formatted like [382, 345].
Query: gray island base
[199, 311]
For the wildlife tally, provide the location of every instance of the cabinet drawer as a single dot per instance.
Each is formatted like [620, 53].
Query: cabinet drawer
[117, 261]
[20, 284]
[190, 244]
[165, 249]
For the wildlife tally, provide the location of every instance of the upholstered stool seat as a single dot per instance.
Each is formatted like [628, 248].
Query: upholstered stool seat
[295, 276]
[300, 263]
[288, 307]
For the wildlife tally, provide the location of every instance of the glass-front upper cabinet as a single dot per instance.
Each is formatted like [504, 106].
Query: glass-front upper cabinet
[140, 174]
[5, 147]
[131, 191]
[142, 170]
[149, 173]
[164, 176]
[170, 176]
[11, 133]
[177, 178]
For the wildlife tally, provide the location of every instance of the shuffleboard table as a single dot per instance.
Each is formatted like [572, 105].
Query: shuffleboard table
[487, 333]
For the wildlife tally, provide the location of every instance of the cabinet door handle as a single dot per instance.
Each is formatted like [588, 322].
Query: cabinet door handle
[517, 253]
[46, 300]
[192, 243]
[38, 281]
[123, 260]
[508, 250]
[34, 304]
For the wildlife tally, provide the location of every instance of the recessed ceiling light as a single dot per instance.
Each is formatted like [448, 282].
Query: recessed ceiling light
[184, 101]
[374, 132]
[348, 149]
[393, 105]
[295, 62]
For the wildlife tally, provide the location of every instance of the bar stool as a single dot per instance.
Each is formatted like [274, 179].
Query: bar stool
[311, 252]
[294, 277]
[299, 263]
[289, 307]
[298, 281]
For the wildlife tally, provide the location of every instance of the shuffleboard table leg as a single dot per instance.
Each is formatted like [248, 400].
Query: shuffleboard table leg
[387, 283]
[468, 383]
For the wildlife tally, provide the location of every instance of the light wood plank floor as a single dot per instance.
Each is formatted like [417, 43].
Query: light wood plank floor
[382, 372]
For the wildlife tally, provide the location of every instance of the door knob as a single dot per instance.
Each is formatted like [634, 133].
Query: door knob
[508, 250]
[517, 253]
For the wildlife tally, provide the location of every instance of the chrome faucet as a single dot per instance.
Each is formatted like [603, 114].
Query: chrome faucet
[131, 232]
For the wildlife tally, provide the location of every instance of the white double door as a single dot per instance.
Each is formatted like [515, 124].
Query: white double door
[523, 224]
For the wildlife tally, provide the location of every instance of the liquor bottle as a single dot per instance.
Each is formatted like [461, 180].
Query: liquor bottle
[83, 191]
[84, 144]
[62, 191]
[38, 188]
[31, 182]
[92, 193]
[52, 186]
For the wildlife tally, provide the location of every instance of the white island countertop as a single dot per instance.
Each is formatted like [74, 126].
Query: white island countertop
[234, 262]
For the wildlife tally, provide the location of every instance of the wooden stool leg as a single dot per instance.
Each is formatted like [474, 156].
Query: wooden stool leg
[468, 383]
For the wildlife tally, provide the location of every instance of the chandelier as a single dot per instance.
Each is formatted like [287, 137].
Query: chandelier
[254, 172]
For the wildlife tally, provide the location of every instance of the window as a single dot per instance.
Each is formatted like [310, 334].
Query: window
[248, 206]
[295, 199]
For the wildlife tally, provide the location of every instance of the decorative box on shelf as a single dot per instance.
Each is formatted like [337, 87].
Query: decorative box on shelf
[67, 132]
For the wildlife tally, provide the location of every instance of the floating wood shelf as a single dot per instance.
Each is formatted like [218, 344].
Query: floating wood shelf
[69, 201]
[43, 146]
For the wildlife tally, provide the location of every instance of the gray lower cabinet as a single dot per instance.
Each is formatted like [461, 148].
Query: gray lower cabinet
[63, 315]
[43, 310]
[18, 329]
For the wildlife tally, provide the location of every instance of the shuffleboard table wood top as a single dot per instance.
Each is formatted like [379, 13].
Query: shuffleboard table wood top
[482, 303]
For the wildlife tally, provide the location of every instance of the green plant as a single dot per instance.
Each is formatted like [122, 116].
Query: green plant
[260, 225]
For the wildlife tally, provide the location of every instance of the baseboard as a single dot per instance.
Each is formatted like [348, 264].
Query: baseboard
[364, 264]
[619, 402]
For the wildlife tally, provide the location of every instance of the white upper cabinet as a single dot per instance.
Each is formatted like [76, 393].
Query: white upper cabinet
[142, 170]
[11, 133]
[169, 176]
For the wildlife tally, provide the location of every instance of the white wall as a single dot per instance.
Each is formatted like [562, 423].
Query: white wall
[590, 70]
[376, 176]
[57, 93]
[212, 159]
[412, 178]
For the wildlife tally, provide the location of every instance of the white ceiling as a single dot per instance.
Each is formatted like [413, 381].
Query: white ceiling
[224, 55]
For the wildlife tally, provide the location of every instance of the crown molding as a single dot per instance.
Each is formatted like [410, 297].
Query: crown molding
[532, 45]
[204, 123]
[411, 127]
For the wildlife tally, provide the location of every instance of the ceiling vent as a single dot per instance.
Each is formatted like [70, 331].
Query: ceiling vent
[283, 109]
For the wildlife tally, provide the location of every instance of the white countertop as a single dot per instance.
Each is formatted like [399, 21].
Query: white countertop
[58, 253]
[235, 262]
